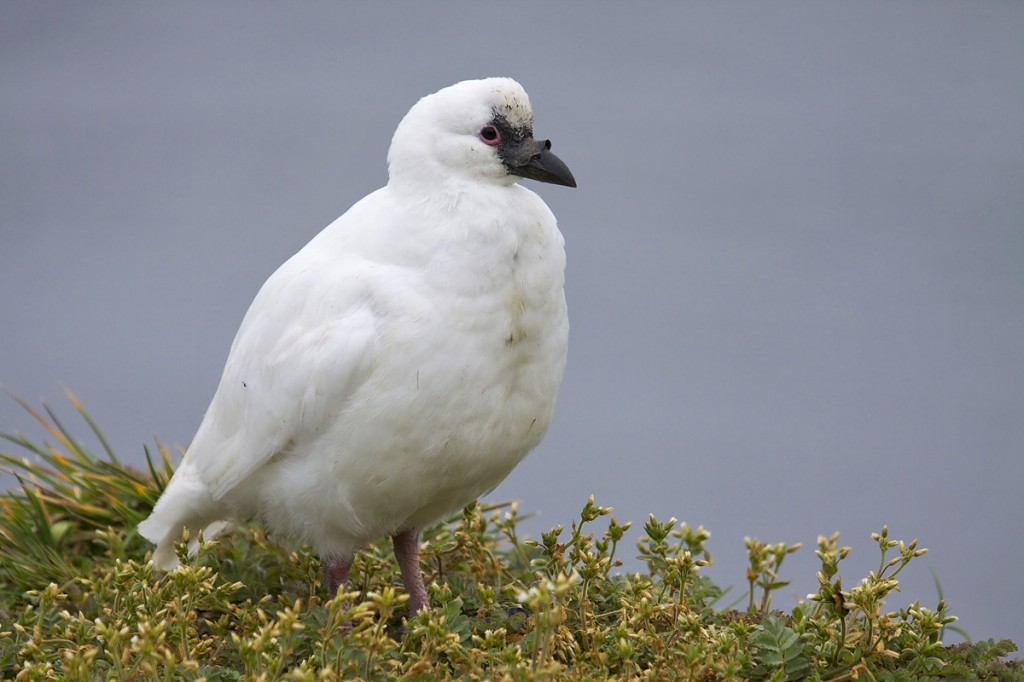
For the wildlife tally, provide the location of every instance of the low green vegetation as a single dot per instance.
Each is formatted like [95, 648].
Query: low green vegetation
[79, 601]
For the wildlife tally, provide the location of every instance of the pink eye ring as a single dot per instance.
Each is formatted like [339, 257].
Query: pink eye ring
[490, 135]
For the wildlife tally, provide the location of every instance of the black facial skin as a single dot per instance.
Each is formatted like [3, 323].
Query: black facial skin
[527, 157]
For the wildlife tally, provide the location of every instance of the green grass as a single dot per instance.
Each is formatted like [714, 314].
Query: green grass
[79, 601]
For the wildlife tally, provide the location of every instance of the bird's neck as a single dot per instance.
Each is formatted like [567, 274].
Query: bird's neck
[449, 193]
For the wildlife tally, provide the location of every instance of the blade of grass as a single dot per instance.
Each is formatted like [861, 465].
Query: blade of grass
[77, 404]
[50, 428]
[74, 447]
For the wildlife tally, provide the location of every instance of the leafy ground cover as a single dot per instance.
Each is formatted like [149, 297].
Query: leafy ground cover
[79, 601]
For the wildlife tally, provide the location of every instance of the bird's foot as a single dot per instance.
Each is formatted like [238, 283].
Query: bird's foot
[407, 551]
[335, 573]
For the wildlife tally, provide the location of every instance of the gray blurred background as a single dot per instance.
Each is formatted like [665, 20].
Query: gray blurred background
[796, 254]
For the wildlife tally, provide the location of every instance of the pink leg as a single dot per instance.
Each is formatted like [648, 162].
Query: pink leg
[407, 551]
[335, 573]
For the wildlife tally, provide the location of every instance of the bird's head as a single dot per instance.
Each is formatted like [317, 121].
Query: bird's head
[474, 131]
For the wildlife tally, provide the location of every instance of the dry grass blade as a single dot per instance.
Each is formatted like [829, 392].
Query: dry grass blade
[92, 425]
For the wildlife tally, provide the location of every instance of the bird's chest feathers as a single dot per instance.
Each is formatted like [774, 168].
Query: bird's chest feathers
[472, 331]
[515, 309]
[516, 303]
[511, 292]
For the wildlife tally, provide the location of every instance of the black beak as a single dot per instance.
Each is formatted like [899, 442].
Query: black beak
[533, 159]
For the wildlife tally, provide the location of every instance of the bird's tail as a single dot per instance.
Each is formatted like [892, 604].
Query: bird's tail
[185, 503]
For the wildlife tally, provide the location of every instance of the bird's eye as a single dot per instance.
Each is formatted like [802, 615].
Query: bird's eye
[490, 135]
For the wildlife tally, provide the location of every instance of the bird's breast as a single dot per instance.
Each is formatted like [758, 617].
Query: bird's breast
[465, 380]
[502, 308]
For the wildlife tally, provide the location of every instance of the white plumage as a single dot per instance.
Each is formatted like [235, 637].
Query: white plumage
[404, 361]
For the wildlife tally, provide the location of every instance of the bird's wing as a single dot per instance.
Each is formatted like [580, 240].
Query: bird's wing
[304, 347]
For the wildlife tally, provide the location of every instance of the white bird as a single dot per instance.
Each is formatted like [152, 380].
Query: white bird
[401, 363]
